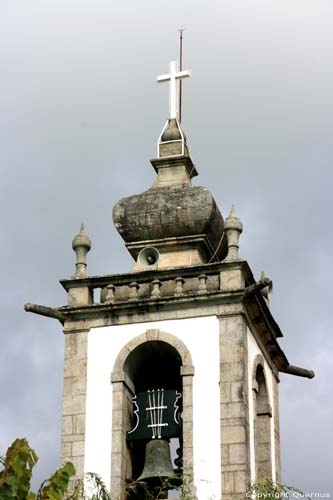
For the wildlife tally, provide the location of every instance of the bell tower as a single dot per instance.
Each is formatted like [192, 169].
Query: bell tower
[172, 369]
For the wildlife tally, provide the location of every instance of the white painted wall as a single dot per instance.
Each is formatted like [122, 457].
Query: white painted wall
[253, 350]
[201, 337]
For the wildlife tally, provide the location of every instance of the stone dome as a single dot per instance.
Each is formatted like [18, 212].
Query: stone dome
[169, 212]
[173, 215]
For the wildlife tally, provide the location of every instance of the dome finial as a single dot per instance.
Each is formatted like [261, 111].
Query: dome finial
[81, 245]
[172, 141]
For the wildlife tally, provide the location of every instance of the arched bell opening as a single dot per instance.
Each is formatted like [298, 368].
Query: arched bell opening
[154, 364]
[262, 426]
[152, 361]
[154, 368]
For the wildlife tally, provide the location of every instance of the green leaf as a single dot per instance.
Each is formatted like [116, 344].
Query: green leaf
[57, 485]
[16, 475]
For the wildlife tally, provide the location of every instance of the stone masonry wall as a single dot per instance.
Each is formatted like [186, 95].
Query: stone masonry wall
[74, 399]
[277, 430]
[235, 447]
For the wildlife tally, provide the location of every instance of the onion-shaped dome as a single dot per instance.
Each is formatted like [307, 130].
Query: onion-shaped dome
[170, 212]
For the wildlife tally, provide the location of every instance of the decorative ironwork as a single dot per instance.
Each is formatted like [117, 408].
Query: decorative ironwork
[157, 414]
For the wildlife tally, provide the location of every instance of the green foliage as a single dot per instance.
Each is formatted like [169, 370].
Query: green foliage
[89, 487]
[56, 487]
[269, 490]
[15, 476]
[139, 490]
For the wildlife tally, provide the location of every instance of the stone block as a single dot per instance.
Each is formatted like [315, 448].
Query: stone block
[75, 368]
[231, 422]
[187, 398]
[237, 453]
[232, 410]
[118, 442]
[74, 386]
[74, 405]
[70, 345]
[118, 400]
[78, 448]
[187, 413]
[233, 434]
[76, 344]
[187, 431]
[152, 334]
[187, 370]
[227, 483]
[264, 470]
[232, 329]
[67, 424]
[225, 392]
[232, 352]
[231, 280]
[241, 481]
[237, 391]
[116, 462]
[79, 423]
[263, 452]
[188, 455]
[80, 296]
[66, 450]
[225, 454]
[263, 428]
[117, 419]
[232, 372]
[70, 438]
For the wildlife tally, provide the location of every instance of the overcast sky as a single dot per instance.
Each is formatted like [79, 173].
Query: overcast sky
[80, 114]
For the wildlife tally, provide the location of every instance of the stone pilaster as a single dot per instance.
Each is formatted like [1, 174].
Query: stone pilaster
[277, 430]
[235, 447]
[121, 466]
[74, 399]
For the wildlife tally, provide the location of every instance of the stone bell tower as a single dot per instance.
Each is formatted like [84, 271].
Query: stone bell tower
[181, 351]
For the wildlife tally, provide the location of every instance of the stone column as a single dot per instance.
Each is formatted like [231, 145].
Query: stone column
[235, 448]
[74, 399]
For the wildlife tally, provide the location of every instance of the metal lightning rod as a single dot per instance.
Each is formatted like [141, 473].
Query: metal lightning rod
[180, 69]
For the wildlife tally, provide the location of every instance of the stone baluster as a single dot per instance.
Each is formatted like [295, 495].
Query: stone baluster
[134, 288]
[109, 296]
[202, 283]
[179, 285]
[156, 289]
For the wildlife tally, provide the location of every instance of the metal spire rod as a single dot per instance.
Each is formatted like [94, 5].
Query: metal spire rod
[180, 69]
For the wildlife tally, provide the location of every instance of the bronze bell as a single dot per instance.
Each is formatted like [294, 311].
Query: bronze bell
[158, 463]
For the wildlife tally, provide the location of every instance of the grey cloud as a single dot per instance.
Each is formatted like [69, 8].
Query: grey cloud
[80, 116]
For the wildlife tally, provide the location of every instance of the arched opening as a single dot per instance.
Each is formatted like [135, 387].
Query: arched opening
[262, 426]
[153, 366]
[152, 361]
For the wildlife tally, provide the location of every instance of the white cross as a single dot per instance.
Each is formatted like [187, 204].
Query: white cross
[173, 77]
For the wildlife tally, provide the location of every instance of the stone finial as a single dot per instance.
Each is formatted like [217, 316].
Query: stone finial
[81, 245]
[233, 228]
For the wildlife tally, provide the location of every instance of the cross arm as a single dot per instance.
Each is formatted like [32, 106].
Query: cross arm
[163, 78]
[183, 74]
